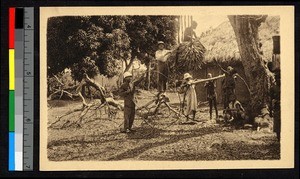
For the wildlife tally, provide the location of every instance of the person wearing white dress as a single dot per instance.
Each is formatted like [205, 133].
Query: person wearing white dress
[190, 96]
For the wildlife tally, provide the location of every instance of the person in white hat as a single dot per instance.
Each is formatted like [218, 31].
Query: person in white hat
[190, 96]
[126, 91]
[161, 56]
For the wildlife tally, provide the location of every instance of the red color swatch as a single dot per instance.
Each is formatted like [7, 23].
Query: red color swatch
[11, 26]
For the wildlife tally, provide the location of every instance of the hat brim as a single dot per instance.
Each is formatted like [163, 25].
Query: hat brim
[187, 77]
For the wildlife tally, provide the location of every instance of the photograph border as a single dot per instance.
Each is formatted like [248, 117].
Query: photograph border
[287, 96]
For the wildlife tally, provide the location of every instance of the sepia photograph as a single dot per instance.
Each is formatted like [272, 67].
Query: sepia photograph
[166, 87]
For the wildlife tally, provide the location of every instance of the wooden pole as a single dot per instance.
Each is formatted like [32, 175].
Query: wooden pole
[208, 79]
[181, 25]
[184, 22]
[178, 26]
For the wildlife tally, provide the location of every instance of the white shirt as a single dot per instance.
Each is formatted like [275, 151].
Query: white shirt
[160, 55]
[235, 105]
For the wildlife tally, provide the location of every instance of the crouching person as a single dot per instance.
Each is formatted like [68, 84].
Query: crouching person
[126, 91]
[235, 114]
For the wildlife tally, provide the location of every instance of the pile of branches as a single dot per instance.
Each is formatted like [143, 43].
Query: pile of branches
[188, 56]
[59, 86]
[77, 91]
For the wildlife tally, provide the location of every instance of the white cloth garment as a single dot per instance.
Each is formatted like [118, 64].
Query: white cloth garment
[160, 55]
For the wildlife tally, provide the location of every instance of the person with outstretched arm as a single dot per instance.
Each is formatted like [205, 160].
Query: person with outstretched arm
[188, 89]
[190, 96]
[228, 86]
[127, 91]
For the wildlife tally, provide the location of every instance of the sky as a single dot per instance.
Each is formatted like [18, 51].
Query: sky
[206, 21]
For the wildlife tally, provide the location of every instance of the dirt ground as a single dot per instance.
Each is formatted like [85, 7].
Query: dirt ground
[160, 138]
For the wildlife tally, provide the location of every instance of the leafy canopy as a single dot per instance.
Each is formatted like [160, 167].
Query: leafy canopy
[100, 44]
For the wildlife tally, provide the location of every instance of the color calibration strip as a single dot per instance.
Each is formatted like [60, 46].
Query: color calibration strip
[11, 45]
[21, 89]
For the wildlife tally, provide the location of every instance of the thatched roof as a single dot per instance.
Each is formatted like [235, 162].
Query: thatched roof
[221, 44]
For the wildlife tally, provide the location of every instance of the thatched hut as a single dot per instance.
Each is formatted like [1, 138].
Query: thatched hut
[221, 45]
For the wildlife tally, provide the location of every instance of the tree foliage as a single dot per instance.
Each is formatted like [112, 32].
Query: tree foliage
[100, 44]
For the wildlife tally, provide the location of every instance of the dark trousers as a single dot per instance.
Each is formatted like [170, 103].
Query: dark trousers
[213, 102]
[129, 113]
[226, 102]
[162, 76]
[228, 96]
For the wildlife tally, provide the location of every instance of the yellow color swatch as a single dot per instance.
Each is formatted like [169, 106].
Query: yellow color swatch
[11, 69]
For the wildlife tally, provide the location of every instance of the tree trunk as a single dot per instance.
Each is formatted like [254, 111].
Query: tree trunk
[184, 22]
[134, 53]
[258, 76]
[96, 86]
[129, 65]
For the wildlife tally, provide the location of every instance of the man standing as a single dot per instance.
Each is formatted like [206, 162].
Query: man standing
[189, 32]
[228, 86]
[161, 55]
[127, 90]
[211, 95]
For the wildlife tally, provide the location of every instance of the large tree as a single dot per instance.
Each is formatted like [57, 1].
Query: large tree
[258, 75]
[106, 40]
[91, 45]
[144, 33]
[72, 39]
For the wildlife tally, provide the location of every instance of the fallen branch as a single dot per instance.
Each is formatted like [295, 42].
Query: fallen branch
[86, 107]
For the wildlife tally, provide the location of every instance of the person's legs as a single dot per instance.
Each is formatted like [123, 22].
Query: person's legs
[164, 85]
[210, 108]
[188, 109]
[225, 100]
[127, 112]
[157, 97]
[160, 84]
[215, 105]
[132, 115]
[160, 76]
[194, 114]
[164, 77]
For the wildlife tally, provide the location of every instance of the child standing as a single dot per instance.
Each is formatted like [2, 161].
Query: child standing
[211, 95]
[127, 90]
